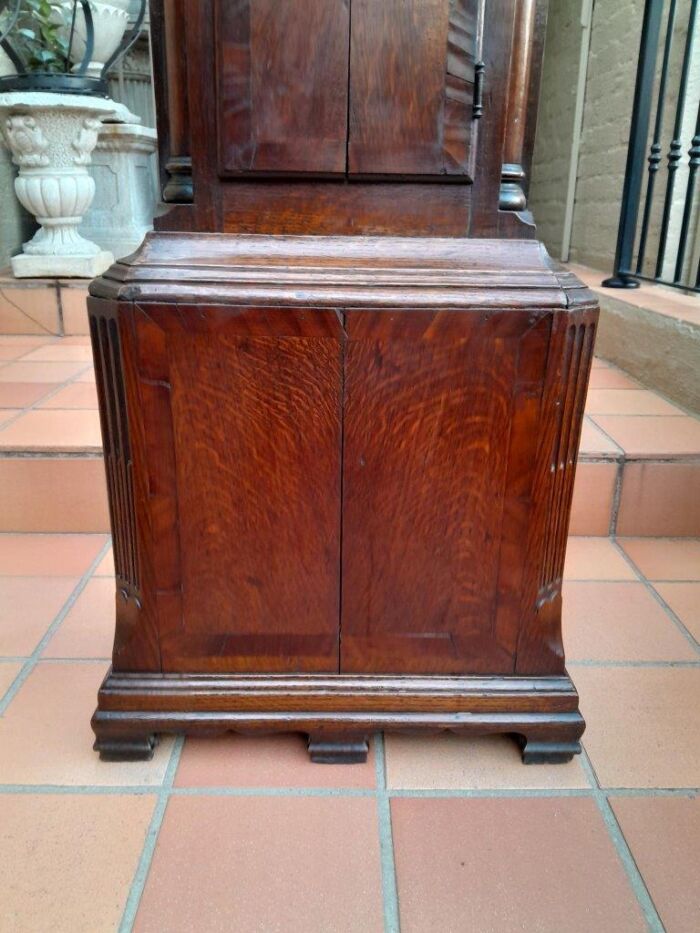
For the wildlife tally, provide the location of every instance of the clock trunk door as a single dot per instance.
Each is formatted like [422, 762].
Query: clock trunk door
[412, 75]
[440, 444]
[283, 86]
[334, 87]
[241, 440]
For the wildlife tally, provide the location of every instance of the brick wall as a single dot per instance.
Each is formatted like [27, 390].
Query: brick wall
[552, 156]
[612, 68]
[609, 92]
[616, 26]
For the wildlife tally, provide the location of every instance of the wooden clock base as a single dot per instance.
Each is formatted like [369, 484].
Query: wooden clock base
[347, 462]
[337, 712]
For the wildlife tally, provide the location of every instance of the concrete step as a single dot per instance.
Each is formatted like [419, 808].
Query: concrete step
[652, 332]
[43, 307]
[638, 473]
[51, 469]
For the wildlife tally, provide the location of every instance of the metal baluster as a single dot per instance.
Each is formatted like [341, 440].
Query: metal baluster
[693, 164]
[641, 115]
[674, 153]
[655, 150]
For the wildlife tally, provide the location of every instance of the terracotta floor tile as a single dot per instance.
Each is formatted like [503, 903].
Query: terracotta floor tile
[8, 671]
[610, 378]
[665, 558]
[456, 762]
[27, 340]
[88, 629]
[48, 555]
[22, 394]
[265, 761]
[67, 862]
[595, 559]
[619, 622]
[29, 309]
[643, 725]
[53, 430]
[660, 499]
[595, 443]
[53, 494]
[594, 489]
[500, 865]
[306, 864]
[87, 376]
[74, 307]
[73, 341]
[13, 353]
[684, 599]
[28, 605]
[45, 734]
[664, 836]
[610, 401]
[40, 372]
[648, 436]
[60, 353]
[105, 568]
[74, 395]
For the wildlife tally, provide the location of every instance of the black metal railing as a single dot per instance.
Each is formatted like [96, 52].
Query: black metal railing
[664, 248]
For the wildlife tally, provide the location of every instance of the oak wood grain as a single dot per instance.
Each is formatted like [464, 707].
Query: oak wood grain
[437, 471]
[255, 488]
[283, 85]
[411, 87]
[341, 391]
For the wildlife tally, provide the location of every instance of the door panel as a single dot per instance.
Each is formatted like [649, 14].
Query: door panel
[250, 401]
[411, 87]
[283, 77]
[438, 464]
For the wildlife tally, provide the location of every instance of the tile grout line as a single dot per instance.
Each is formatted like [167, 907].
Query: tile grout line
[390, 897]
[658, 598]
[35, 656]
[345, 792]
[593, 662]
[620, 453]
[4, 285]
[59, 309]
[21, 659]
[616, 498]
[45, 398]
[634, 876]
[138, 882]
[52, 534]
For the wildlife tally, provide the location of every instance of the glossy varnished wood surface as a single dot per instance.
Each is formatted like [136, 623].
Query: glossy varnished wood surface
[168, 28]
[339, 713]
[340, 438]
[251, 404]
[440, 376]
[341, 272]
[429, 403]
[411, 87]
[347, 208]
[276, 78]
[282, 85]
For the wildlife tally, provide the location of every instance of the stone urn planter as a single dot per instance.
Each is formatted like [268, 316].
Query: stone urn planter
[110, 19]
[51, 138]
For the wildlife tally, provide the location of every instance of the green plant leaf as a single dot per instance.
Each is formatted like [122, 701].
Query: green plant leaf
[40, 35]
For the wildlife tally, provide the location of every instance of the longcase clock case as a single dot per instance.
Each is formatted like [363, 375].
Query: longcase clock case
[341, 386]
